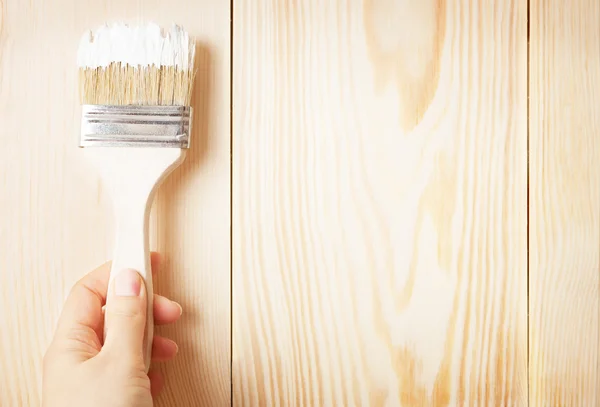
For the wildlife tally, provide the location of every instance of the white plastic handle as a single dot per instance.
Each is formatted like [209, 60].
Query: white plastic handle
[132, 176]
[132, 251]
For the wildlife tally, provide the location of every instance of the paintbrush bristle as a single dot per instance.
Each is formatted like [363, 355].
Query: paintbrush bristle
[122, 65]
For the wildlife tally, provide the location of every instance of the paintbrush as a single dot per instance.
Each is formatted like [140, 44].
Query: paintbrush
[135, 89]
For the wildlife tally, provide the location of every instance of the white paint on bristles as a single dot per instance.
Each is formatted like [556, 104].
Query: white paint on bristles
[136, 46]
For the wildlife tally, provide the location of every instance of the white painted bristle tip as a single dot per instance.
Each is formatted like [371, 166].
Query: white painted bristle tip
[136, 46]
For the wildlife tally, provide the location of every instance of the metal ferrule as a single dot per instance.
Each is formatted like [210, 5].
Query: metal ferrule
[135, 126]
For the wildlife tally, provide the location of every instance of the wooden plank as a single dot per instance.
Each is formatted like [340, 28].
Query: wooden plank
[56, 223]
[564, 202]
[380, 203]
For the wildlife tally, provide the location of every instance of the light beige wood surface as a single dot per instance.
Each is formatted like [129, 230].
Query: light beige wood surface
[56, 223]
[564, 204]
[380, 203]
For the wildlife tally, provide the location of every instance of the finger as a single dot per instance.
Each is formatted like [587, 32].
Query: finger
[155, 263]
[81, 317]
[125, 317]
[83, 308]
[163, 349]
[165, 310]
[156, 382]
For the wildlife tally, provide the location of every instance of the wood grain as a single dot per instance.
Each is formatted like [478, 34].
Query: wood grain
[380, 203]
[56, 223]
[564, 204]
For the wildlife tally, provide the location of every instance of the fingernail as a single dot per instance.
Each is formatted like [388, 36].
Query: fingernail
[128, 283]
[178, 306]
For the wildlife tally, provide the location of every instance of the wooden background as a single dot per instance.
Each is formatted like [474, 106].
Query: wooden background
[56, 224]
[564, 204]
[387, 203]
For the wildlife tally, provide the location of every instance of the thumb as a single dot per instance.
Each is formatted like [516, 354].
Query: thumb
[125, 316]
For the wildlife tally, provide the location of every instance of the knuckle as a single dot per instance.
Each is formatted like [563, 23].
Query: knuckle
[127, 308]
[123, 364]
[84, 340]
[139, 382]
[85, 287]
[123, 312]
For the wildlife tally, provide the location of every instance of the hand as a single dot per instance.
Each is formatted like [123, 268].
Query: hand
[82, 371]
